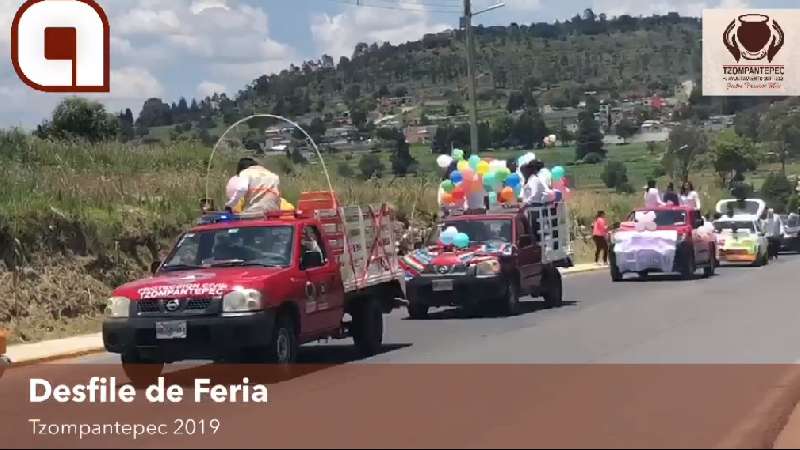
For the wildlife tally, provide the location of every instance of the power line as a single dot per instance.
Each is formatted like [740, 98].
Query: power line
[400, 7]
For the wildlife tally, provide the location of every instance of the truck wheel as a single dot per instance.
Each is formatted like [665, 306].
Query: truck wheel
[418, 311]
[616, 275]
[711, 268]
[283, 346]
[688, 267]
[368, 328]
[140, 371]
[553, 288]
[510, 304]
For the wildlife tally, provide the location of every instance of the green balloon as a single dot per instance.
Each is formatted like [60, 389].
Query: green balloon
[458, 154]
[448, 186]
[502, 174]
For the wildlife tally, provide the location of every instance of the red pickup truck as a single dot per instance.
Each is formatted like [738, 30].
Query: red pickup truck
[259, 287]
[678, 241]
[513, 252]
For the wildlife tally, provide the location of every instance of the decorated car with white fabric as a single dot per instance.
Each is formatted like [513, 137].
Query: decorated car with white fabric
[663, 240]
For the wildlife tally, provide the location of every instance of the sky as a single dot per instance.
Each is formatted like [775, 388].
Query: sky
[192, 48]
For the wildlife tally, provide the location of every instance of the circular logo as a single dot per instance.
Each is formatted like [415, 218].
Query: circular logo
[172, 305]
[443, 270]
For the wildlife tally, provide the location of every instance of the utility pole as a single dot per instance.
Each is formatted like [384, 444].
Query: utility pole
[468, 15]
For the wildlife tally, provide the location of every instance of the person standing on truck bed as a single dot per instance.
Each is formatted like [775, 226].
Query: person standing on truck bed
[535, 190]
[257, 187]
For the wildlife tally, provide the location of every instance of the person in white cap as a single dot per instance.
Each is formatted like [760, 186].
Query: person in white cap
[535, 191]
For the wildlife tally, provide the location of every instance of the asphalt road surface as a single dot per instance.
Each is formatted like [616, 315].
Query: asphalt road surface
[743, 315]
[662, 362]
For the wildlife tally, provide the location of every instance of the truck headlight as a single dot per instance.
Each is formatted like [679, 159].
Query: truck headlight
[118, 307]
[487, 268]
[242, 300]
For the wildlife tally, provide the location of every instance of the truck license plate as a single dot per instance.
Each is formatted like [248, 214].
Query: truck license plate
[442, 285]
[171, 330]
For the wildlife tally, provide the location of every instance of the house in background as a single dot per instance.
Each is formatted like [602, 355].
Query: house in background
[420, 134]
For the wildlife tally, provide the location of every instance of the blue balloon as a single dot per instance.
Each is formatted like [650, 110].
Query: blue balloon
[474, 160]
[456, 177]
[513, 180]
[461, 240]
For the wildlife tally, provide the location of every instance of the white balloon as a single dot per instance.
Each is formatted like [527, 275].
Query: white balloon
[444, 161]
[650, 226]
[640, 226]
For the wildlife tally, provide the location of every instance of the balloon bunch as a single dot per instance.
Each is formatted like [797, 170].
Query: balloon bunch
[451, 236]
[477, 176]
[550, 141]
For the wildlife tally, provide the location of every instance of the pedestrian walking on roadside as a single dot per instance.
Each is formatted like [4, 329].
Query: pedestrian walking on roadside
[774, 233]
[600, 237]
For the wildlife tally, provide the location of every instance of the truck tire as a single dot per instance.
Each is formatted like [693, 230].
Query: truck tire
[711, 268]
[510, 302]
[283, 346]
[368, 328]
[417, 311]
[140, 371]
[688, 267]
[616, 275]
[553, 288]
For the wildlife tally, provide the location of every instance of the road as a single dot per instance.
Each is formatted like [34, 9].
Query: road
[658, 362]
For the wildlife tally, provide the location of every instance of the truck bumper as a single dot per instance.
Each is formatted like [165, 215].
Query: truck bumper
[737, 256]
[466, 291]
[207, 338]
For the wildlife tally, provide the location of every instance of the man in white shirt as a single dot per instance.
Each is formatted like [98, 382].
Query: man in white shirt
[535, 191]
[774, 232]
[652, 197]
[257, 187]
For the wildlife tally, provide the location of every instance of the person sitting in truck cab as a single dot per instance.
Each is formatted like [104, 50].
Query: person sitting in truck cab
[257, 187]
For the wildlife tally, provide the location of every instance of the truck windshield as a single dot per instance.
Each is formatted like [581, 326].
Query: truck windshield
[484, 231]
[735, 226]
[664, 218]
[231, 247]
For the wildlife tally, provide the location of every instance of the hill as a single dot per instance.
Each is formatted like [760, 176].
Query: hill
[553, 63]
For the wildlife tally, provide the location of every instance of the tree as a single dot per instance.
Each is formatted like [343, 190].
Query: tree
[127, 131]
[687, 144]
[626, 129]
[455, 108]
[401, 91]
[316, 128]
[733, 155]
[501, 131]
[776, 191]
[747, 124]
[352, 94]
[359, 118]
[155, 113]
[383, 91]
[516, 101]
[781, 128]
[530, 129]
[370, 166]
[589, 138]
[80, 118]
[615, 174]
[402, 161]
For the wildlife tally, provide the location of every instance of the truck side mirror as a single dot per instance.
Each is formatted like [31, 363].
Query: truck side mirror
[699, 222]
[154, 267]
[311, 260]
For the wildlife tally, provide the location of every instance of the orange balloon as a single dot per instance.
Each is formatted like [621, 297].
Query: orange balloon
[447, 199]
[507, 195]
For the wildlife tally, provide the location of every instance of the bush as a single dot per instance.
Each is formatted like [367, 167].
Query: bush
[776, 191]
[344, 170]
[370, 166]
[593, 158]
[615, 175]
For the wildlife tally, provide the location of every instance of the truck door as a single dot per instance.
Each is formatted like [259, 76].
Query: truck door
[529, 259]
[324, 294]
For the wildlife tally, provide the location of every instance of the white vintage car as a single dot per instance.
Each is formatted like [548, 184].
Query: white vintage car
[740, 233]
